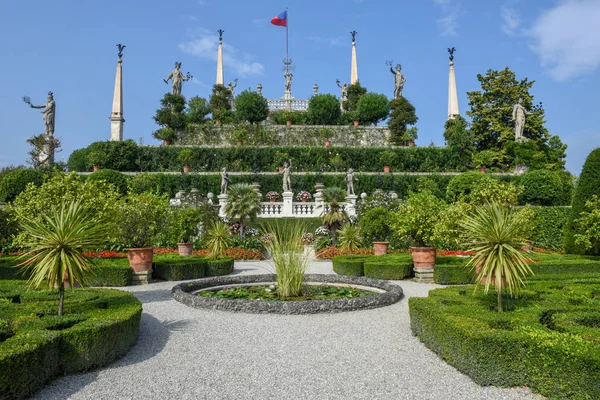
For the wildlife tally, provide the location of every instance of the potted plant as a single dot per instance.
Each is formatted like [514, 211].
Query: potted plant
[186, 157]
[289, 117]
[272, 196]
[484, 159]
[326, 134]
[388, 158]
[416, 221]
[240, 134]
[167, 135]
[354, 116]
[95, 159]
[303, 196]
[184, 222]
[375, 227]
[141, 217]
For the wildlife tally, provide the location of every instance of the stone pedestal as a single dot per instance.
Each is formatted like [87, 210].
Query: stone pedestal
[222, 203]
[288, 199]
[452, 94]
[424, 275]
[351, 205]
[520, 169]
[141, 278]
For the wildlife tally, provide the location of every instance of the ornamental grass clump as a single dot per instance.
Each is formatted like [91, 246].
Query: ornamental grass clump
[287, 252]
[495, 235]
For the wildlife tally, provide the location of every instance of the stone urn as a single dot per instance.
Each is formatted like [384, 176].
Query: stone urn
[482, 170]
[186, 169]
[411, 143]
[185, 249]
[140, 259]
[166, 142]
[380, 248]
[386, 169]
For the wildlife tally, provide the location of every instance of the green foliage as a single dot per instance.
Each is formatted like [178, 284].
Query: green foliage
[373, 108]
[186, 157]
[589, 227]
[495, 235]
[168, 134]
[459, 139]
[546, 188]
[333, 216]
[588, 185]
[197, 110]
[484, 159]
[96, 158]
[489, 191]
[99, 326]
[350, 237]
[115, 178]
[389, 268]
[376, 224]
[354, 93]
[14, 182]
[402, 116]
[217, 239]
[243, 202]
[141, 218]
[349, 265]
[39, 146]
[120, 156]
[449, 274]
[447, 232]
[219, 267]
[548, 227]
[176, 268]
[418, 217]
[461, 186]
[324, 109]
[492, 124]
[251, 106]
[182, 224]
[170, 117]
[220, 105]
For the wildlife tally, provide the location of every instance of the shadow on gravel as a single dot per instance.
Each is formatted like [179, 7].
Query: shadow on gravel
[153, 296]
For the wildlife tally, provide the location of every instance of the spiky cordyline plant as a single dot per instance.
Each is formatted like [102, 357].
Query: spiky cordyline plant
[350, 237]
[495, 236]
[218, 239]
[55, 246]
[287, 251]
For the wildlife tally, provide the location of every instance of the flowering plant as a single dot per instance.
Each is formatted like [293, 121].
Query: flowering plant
[321, 231]
[234, 228]
[272, 195]
[308, 238]
[303, 196]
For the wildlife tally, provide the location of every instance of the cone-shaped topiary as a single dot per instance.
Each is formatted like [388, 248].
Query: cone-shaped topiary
[587, 186]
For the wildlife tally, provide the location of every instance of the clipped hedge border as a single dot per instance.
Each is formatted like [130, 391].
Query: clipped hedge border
[453, 275]
[220, 267]
[180, 270]
[349, 265]
[390, 266]
[40, 348]
[387, 269]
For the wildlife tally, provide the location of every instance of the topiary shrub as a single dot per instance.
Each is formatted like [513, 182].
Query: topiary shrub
[588, 185]
[445, 274]
[218, 267]
[349, 265]
[120, 156]
[14, 182]
[113, 177]
[462, 185]
[375, 224]
[176, 268]
[389, 268]
[545, 188]
[324, 109]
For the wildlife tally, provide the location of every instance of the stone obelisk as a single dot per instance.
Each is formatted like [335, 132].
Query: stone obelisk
[354, 71]
[116, 117]
[220, 78]
[452, 94]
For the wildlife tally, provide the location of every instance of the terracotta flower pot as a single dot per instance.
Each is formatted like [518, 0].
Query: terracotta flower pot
[303, 200]
[288, 122]
[140, 259]
[327, 143]
[185, 249]
[380, 248]
[355, 123]
[272, 200]
[186, 169]
[482, 170]
[526, 247]
[483, 280]
[239, 142]
[411, 143]
[386, 169]
[423, 257]
[166, 142]
[217, 122]
[96, 168]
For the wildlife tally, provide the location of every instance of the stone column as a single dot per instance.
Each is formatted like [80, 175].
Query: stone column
[116, 117]
[287, 204]
[452, 95]
[351, 205]
[222, 203]
[354, 71]
[220, 78]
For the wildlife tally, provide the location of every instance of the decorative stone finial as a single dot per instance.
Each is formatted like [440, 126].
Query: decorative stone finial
[121, 47]
[451, 52]
[353, 33]
[221, 31]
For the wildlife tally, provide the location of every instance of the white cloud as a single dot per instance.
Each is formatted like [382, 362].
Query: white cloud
[448, 23]
[567, 39]
[205, 47]
[511, 20]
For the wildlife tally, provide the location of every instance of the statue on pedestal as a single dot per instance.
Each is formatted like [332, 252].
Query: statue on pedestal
[49, 110]
[232, 87]
[344, 88]
[518, 115]
[287, 173]
[45, 143]
[178, 79]
[350, 181]
[451, 52]
[225, 181]
[288, 81]
[399, 79]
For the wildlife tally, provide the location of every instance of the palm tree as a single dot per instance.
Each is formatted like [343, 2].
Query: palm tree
[242, 202]
[334, 217]
[55, 246]
[495, 235]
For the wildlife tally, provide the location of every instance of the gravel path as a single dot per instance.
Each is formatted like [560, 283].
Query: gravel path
[189, 353]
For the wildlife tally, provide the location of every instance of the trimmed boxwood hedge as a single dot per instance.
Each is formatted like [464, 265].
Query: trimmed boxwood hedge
[223, 266]
[99, 326]
[349, 265]
[390, 266]
[387, 269]
[445, 274]
[176, 268]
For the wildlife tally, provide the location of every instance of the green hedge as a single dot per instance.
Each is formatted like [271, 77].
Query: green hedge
[549, 224]
[99, 326]
[349, 265]
[445, 274]
[14, 182]
[220, 267]
[126, 156]
[544, 346]
[176, 268]
[389, 268]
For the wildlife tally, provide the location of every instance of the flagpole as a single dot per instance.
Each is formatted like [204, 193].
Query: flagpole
[287, 16]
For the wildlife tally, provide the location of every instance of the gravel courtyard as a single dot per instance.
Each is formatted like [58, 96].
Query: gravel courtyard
[186, 353]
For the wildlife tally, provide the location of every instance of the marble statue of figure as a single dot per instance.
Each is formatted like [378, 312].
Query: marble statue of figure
[225, 181]
[350, 181]
[49, 110]
[288, 81]
[232, 87]
[518, 115]
[399, 81]
[287, 172]
[178, 79]
[344, 88]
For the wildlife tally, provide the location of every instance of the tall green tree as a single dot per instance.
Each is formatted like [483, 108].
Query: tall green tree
[459, 140]
[324, 109]
[170, 117]
[243, 202]
[251, 106]
[354, 93]
[402, 116]
[220, 103]
[373, 107]
[493, 127]
[197, 110]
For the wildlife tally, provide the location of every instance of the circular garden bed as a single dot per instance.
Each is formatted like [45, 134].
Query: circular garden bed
[385, 294]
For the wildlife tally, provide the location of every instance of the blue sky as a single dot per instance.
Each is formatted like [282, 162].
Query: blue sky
[69, 47]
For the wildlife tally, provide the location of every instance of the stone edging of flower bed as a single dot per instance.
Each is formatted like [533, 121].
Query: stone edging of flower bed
[182, 293]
